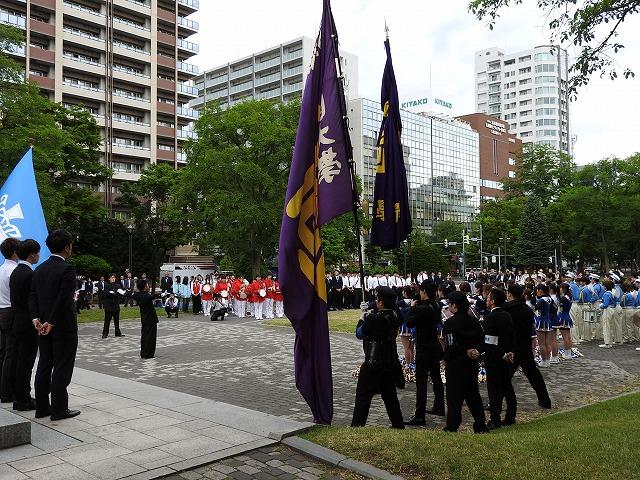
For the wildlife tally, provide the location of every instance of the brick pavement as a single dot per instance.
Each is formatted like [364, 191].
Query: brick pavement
[243, 362]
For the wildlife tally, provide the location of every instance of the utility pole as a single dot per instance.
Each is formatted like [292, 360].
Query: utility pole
[499, 260]
[481, 252]
[464, 257]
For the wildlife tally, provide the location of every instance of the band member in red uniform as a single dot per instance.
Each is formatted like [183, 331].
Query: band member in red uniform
[258, 295]
[267, 305]
[196, 290]
[278, 299]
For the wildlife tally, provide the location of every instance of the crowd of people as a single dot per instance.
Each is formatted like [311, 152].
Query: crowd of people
[498, 322]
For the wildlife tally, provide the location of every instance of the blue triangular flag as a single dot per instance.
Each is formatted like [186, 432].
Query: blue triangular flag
[20, 208]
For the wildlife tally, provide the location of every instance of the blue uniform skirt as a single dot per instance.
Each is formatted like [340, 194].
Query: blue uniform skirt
[543, 324]
[564, 320]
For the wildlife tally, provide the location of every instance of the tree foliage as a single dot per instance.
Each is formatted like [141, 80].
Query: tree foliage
[534, 245]
[591, 25]
[234, 184]
[91, 265]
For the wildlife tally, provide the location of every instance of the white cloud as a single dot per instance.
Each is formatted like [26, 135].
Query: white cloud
[437, 36]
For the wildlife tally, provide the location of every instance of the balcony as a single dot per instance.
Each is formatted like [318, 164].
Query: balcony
[268, 63]
[166, 85]
[166, 155]
[181, 157]
[83, 38]
[290, 72]
[166, 132]
[189, 24]
[241, 87]
[188, 113]
[274, 77]
[166, 39]
[168, 108]
[43, 28]
[187, 90]
[188, 46]
[209, 82]
[288, 57]
[46, 4]
[268, 94]
[167, 62]
[15, 50]
[187, 68]
[13, 20]
[138, 6]
[241, 72]
[192, 5]
[293, 87]
[186, 134]
[45, 83]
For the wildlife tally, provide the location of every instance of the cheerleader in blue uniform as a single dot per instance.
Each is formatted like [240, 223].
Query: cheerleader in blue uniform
[554, 295]
[543, 323]
[407, 335]
[564, 319]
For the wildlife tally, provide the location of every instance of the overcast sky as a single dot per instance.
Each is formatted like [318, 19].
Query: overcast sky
[425, 35]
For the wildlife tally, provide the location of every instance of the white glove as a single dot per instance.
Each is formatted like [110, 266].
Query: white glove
[364, 307]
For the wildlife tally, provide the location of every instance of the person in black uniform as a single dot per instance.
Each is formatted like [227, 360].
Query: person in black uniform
[336, 291]
[24, 331]
[378, 331]
[100, 286]
[498, 344]
[522, 317]
[424, 315]
[53, 314]
[148, 318]
[111, 301]
[464, 341]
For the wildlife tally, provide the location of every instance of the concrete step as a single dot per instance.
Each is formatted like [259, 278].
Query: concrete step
[14, 429]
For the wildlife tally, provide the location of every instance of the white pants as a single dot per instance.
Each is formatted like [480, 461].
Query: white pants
[628, 328]
[279, 309]
[583, 329]
[608, 320]
[596, 330]
[241, 308]
[206, 307]
[258, 310]
[578, 325]
[618, 322]
[267, 308]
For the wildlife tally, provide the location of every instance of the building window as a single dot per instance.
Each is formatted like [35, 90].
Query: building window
[512, 161]
[526, 58]
[525, 81]
[512, 174]
[522, 71]
[525, 113]
[524, 103]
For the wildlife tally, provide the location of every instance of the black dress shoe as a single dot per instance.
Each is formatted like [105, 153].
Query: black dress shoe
[6, 399]
[436, 411]
[508, 422]
[66, 414]
[120, 334]
[105, 336]
[26, 406]
[43, 414]
[492, 426]
[544, 405]
[416, 422]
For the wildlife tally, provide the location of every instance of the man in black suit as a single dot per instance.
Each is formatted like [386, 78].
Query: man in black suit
[128, 285]
[24, 331]
[54, 315]
[166, 283]
[336, 290]
[499, 344]
[100, 287]
[7, 339]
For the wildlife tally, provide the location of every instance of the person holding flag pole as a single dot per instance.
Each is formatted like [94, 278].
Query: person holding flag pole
[321, 186]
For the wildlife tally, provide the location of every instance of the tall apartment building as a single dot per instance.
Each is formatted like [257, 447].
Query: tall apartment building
[123, 60]
[528, 90]
[278, 72]
[441, 156]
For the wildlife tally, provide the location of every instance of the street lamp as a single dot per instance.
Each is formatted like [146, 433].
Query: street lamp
[130, 229]
[505, 238]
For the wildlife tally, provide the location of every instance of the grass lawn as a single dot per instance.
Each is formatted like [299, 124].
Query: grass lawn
[343, 321]
[597, 442]
[126, 313]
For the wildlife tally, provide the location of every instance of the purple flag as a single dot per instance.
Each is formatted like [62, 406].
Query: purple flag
[391, 222]
[319, 189]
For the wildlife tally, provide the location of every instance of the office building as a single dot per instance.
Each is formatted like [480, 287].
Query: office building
[528, 90]
[441, 157]
[275, 73]
[126, 61]
[499, 150]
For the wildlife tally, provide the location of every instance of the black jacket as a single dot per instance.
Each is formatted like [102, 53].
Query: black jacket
[51, 298]
[166, 284]
[147, 310]
[461, 333]
[522, 317]
[425, 317]
[111, 297]
[20, 288]
[336, 283]
[499, 337]
[378, 331]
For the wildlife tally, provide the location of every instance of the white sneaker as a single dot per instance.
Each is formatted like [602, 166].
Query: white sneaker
[604, 345]
[545, 364]
[554, 360]
[637, 349]
[566, 356]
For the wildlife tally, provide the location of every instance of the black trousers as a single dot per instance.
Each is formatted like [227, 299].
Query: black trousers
[108, 315]
[197, 304]
[26, 351]
[499, 387]
[185, 304]
[527, 363]
[7, 354]
[428, 366]
[148, 338]
[462, 386]
[171, 310]
[54, 371]
[218, 314]
[375, 379]
[100, 297]
[357, 297]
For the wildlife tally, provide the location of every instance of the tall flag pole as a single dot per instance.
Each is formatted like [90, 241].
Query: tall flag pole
[319, 189]
[21, 213]
[391, 222]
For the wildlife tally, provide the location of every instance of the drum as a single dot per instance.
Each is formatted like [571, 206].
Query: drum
[590, 316]
[242, 296]
[262, 292]
[206, 288]
[224, 294]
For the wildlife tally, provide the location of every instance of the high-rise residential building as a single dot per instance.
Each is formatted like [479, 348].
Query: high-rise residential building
[126, 61]
[278, 72]
[499, 149]
[528, 90]
[441, 156]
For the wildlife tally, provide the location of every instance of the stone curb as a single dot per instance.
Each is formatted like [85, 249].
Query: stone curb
[335, 459]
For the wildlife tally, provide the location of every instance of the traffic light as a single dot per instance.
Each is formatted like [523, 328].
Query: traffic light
[466, 239]
[446, 243]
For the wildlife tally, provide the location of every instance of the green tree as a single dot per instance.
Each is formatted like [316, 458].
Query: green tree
[541, 171]
[534, 246]
[91, 265]
[234, 184]
[500, 219]
[10, 71]
[424, 256]
[591, 25]
[152, 202]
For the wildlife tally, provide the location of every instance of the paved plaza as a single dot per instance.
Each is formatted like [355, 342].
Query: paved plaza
[243, 362]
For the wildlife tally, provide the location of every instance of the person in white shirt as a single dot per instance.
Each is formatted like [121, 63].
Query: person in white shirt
[7, 338]
[382, 280]
[372, 284]
[408, 281]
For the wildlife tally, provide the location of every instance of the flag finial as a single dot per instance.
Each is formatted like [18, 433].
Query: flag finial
[386, 29]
